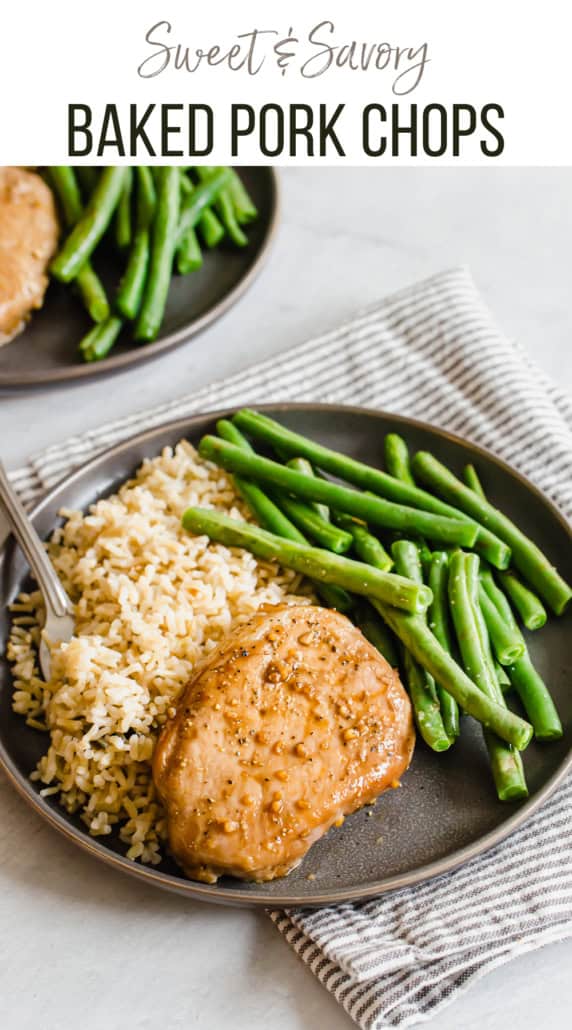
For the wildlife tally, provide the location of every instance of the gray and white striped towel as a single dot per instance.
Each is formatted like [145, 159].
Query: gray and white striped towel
[430, 351]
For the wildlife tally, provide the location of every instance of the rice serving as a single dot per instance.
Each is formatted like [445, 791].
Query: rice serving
[150, 602]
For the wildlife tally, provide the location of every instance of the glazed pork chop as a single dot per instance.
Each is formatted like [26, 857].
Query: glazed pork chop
[294, 722]
[28, 238]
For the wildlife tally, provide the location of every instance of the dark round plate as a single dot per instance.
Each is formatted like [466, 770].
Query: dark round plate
[446, 811]
[46, 352]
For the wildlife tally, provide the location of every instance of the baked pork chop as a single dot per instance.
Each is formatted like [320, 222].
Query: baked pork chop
[28, 238]
[294, 722]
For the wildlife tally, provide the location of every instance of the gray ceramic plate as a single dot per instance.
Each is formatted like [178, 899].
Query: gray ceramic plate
[446, 811]
[46, 352]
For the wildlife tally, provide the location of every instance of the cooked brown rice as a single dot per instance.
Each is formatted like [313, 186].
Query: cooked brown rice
[151, 601]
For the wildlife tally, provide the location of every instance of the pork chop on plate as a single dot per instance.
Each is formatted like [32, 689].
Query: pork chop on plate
[293, 723]
[28, 239]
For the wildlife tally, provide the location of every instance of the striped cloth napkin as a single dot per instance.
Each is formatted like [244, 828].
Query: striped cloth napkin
[434, 352]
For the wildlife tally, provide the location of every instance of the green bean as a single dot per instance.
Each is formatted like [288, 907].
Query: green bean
[439, 624]
[371, 509]
[146, 197]
[422, 545]
[503, 678]
[506, 763]
[132, 285]
[301, 465]
[471, 478]
[507, 769]
[397, 458]
[410, 560]
[87, 340]
[93, 293]
[163, 242]
[472, 570]
[225, 210]
[438, 613]
[87, 233]
[416, 636]
[224, 206]
[244, 206]
[98, 343]
[123, 229]
[311, 561]
[313, 525]
[508, 645]
[274, 520]
[367, 547]
[536, 699]
[188, 253]
[260, 504]
[267, 430]
[210, 228]
[497, 597]
[529, 685]
[189, 256]
[425, 704]
[425, 552]
[195, 203]
[528, 605]
[539, 706]
[309, 520]
[406, 559]
[397, 464]
[64, 183]
[420, 683]
[527, 557]
[374, 630]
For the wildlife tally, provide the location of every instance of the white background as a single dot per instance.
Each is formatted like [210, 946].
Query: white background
[481, 51]
[84, 947]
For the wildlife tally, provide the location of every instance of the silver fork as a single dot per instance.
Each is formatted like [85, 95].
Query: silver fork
[60, 622]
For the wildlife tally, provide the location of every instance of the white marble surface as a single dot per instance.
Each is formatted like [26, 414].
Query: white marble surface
[84, 946]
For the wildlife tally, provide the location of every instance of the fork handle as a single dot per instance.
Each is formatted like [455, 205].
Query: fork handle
[55, 597]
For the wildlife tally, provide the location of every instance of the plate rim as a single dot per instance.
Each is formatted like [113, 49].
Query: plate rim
[137, 356]
[234, 896]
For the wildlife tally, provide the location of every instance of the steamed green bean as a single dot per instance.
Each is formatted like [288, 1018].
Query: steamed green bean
[439, 623]
[420, 684]
[263, 428]
[371, 509]
[310, 561]
[527, 557]
[88, 231]
[506, 763]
